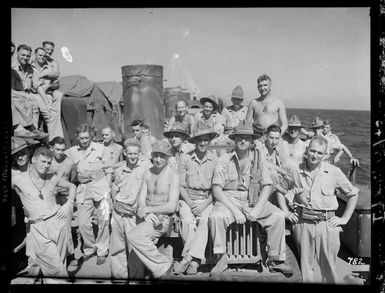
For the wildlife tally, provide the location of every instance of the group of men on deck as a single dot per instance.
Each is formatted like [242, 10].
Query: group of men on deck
[136, 191]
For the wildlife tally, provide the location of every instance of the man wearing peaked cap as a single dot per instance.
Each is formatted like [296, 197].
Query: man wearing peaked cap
[236, 112]
[162, 147]
[242, 187]
[157, 202]
[177, 137]
[196, 171]
[294, 121]
[317, 126]
[209, 115]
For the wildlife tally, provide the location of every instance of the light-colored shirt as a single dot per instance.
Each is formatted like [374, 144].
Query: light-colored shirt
[89, 162]
[233, 117]
[234, 183]
[195, 173]
[319, 193]
[215, 122]
[127, 182]
[37, 80]
[334, 144]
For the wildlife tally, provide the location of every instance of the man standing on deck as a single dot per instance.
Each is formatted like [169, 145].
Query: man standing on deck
[48, 221]
[316, 228]
[334, 144]
[157, 202]
[267, 109]
[92, 194]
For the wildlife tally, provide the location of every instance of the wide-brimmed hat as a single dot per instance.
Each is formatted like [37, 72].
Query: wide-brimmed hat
[200, 132]
[18, 143]
[317, 122]
[211, 99]
[178, 128]
[294, 121]
[237, 92]
[161, 146]
[243, 129]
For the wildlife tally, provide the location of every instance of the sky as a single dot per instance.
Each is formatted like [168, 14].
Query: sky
[317, 58]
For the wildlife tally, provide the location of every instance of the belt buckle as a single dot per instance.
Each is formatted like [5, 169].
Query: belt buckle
[322, 216]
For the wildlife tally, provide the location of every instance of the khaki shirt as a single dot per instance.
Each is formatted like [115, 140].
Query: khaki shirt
[232, 182]
[197, 174]
[215, 122]
[127, 182]
[89, 161]
[319, 194]
[38, 71]
[334, 144]
[233, 117]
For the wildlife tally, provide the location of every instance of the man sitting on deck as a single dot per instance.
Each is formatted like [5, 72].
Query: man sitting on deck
[157, 202]
[48, 221]
[195, 205]
[231, 183]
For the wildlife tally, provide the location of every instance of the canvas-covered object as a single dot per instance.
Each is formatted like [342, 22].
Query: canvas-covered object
[76, 88]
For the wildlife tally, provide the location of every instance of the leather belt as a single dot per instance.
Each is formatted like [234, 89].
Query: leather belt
[34, 221]
[315, 215]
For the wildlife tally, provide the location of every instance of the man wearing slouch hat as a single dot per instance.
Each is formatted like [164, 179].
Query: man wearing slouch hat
[242, 187]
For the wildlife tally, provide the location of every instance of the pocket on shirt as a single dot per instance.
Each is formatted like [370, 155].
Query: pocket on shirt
[328, 190]
[233, 177]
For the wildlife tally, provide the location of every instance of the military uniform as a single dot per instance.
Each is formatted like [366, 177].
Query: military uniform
[235, 186]
[315, 205]
[90, 196]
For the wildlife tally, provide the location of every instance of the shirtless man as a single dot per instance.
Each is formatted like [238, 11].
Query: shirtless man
[292, 144]
[48, 221]
[157, 201]
[267, 109]
[62, 166]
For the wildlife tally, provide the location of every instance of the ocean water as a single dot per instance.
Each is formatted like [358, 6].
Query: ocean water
[353, 129]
